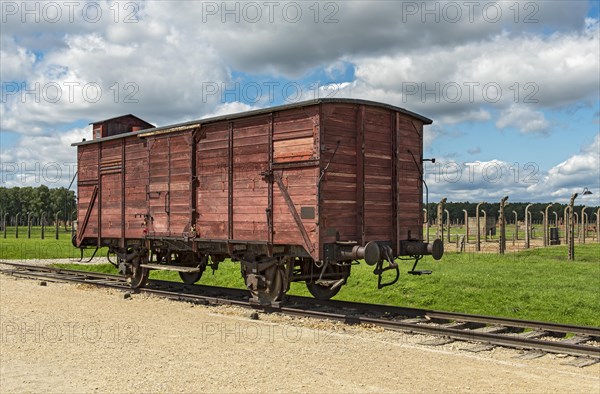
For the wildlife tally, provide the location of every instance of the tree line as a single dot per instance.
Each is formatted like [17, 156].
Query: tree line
[36, 200]
[455, 209]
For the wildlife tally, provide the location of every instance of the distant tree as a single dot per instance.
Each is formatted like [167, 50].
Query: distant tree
[37, 200]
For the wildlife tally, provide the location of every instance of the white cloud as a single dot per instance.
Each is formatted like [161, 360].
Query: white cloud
[522, 118]
[533, 70]
[493, 179]
[574, 174]
[43, 159]
[475, 150]
[92, 77]
[230, 108]
[17, 61]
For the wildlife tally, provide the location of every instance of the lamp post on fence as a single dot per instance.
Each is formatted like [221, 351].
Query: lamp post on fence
[448, 223]
[485, 221]
[516, 226]
[502, 244]
[527, 227]
[466, 225]
[546, 220]
[478, 241]
[582, 225]
[56, 224]
[572, 227]
[566, 217]
[576, 223]
[595, 213]
[544, 225]
[555, 219]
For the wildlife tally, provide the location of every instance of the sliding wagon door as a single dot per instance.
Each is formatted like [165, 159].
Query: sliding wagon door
[169, 188]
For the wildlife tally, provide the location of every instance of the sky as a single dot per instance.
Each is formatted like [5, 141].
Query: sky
[513, 88]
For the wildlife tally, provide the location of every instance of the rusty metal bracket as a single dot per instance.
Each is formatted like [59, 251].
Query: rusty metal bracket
[88, 213]
[294, 212]
[324, 170]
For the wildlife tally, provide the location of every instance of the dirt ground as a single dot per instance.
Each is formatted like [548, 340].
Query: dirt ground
[72, 338]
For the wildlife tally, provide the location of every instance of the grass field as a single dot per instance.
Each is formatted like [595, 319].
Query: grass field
[538, 284]
[37, 248]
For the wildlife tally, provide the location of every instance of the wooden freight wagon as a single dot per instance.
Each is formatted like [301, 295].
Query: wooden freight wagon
[295, 193]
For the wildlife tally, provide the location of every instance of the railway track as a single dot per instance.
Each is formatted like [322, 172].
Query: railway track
[538, 338]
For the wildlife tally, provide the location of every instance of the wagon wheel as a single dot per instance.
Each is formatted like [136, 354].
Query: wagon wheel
[328, 288]
[275, 291]
[139, 276]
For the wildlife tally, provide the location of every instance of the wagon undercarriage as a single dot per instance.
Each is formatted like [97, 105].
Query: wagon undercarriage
[268, 278]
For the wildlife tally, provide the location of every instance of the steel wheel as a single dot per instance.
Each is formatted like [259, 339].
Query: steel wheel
[321, 292]
[275, 291]
[139, 277]
[326, 290]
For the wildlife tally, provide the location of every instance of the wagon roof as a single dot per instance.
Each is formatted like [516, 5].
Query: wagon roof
[238, 115]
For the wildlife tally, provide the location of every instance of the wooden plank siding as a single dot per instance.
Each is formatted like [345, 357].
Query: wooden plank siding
[87, 181]
[365, 194]
[169, 184]
[136, 183]
[213, 183]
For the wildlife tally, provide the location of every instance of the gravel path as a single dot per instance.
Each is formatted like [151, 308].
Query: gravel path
[75, 338]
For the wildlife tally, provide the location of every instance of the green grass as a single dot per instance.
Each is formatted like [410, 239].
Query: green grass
[537, 284]
[37, 248]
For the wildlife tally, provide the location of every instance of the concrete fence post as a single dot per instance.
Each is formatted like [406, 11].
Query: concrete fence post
[5, 224]
[17, 225]
[466, 225]
[502, 243]
[527, 227]
[56, 224]
[516, 237]
[426, 220]
[478, 238]
[440, 219]
[28, 225]
[43, 220]
[448, 223]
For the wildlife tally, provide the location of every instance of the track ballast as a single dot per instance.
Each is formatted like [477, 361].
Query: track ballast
[537, 337]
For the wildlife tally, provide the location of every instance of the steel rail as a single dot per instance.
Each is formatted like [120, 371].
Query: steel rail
[396, 318]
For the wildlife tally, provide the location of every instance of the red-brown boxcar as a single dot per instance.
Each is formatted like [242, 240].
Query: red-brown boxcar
[295, 193]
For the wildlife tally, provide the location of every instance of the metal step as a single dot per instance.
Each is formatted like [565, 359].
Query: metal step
[170, 267]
